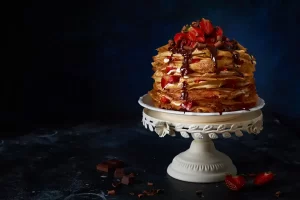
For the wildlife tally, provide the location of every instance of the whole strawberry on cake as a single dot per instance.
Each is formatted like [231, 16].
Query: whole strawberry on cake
[201, 70]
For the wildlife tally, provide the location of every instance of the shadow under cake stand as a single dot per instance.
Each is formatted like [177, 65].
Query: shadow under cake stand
[201, 163]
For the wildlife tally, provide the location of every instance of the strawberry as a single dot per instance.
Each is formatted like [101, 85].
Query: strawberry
[196, 34]
[263, 178]
[193, 44]
[210, 40]
[196, 31]
[178, 37]
[219, 31]
[200, 39]
[169, 68]
[187, 105]
[235, 182]
[195, 60]
[191, 36]
[163, 82]
[168, 79]
[174, 79]
[164, 100]
[206, 26]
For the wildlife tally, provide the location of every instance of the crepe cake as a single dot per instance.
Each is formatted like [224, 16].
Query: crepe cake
[202, 70]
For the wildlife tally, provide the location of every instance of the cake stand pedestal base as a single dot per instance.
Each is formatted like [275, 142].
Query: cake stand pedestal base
[201, 163]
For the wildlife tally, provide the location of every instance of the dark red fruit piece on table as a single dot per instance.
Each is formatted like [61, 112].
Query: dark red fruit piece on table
[126, 180]
[115, 163]
[235, 182]
[104, 167]
[119, 173]
[206, 26]
[178, 37]
[169, 79]
[164, 100]
[263, 178]
[111, 192]
[187, 105]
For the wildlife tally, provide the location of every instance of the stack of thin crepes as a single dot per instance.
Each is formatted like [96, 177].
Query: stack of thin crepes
[201, 70]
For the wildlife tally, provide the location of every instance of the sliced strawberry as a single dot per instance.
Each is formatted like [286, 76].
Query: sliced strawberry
[164, 100]
[174, 79]
[191, 36]
[193, 44]
[178, 37]
[196, 31]
[235, 182]
[200, 39]
[219, 31]
[163, 82]
[263, 178]
[169, 68]
[206, 26]
[187, 105]
[195, 60]
[188, 43]
[168, 79]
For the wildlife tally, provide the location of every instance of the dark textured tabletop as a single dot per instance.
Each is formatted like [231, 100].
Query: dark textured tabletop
[61, 164]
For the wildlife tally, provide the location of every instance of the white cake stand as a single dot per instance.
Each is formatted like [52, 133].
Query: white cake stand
[201, 163]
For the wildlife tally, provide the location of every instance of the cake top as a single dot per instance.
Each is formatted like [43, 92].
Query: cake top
[201, 70]
[202, 38]
[202, 34]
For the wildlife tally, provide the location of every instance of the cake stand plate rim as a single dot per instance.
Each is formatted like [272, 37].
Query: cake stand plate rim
[143, 102]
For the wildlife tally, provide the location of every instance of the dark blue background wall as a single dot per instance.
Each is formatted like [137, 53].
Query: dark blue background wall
[78, 60]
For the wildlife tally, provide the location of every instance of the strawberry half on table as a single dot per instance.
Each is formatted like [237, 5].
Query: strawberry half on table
[263, 178]
[235, 182]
